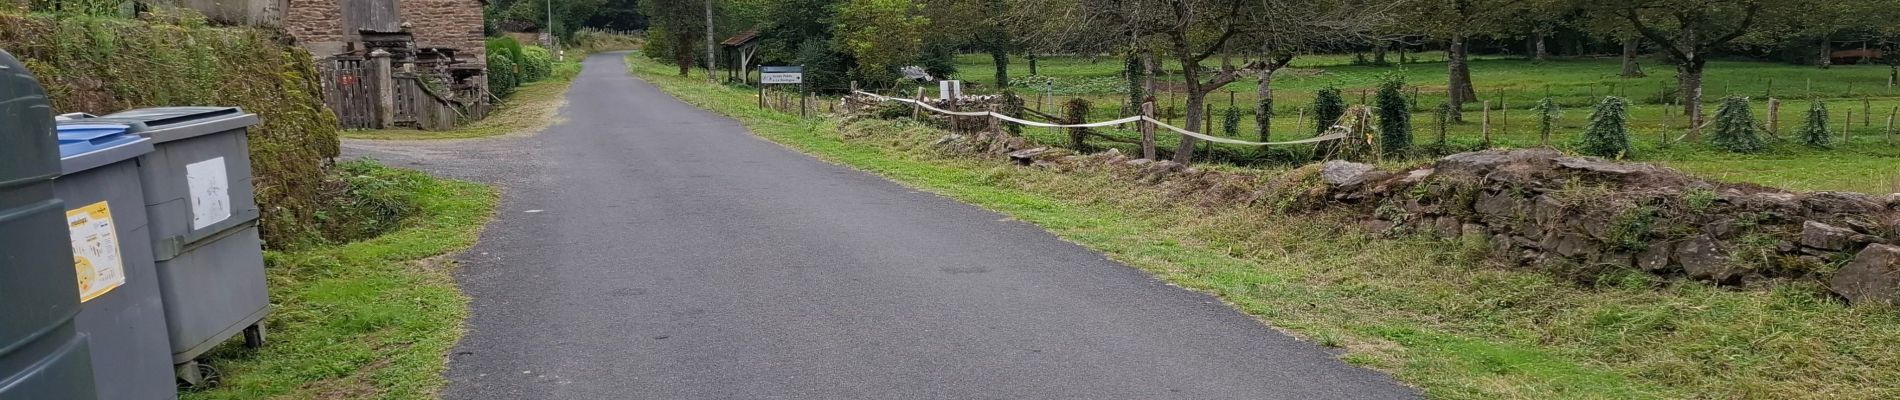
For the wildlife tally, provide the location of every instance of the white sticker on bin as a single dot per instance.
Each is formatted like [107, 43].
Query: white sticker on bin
[210, 192]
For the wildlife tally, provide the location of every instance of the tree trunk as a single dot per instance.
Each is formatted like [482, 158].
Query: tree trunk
[1184, 153]
[1378, 53]
[1827, 53]
[1148, 67]
[1032, 64]
[1538, 51]
[1689, 83]
[1001, 58]
[1459, 88]
[682, 53]
[1631, 69]
[1263, 103]
[712, 55]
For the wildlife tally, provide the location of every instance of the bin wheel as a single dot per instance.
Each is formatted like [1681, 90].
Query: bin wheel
[254, 336]
[198, 376]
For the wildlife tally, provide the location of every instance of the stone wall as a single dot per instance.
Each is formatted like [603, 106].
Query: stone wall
[1575, 216]
[1585, 215]
[317, 25]
[447, 23]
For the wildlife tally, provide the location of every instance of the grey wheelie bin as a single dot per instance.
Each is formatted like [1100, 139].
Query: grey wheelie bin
[119, 310]
[197, 184]
[41, 355]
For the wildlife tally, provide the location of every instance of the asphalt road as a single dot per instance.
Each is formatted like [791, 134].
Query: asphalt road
[649, 249]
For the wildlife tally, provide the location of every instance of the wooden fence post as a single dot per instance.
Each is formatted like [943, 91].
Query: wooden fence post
[1866, 112]
[1487, 125]
[1847, 128]
[385, 88]
[996, 124]
[917, 108]
[1774, 117]
[1147, 129]
[1890, 115]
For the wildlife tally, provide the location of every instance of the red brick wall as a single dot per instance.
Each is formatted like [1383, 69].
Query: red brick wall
[447, 23]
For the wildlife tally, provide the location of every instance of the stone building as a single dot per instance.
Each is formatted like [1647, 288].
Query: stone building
[330, 27]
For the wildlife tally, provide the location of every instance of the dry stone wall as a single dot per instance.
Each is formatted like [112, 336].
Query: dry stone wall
[1579, 216]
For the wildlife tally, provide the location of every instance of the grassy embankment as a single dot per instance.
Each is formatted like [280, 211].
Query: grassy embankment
[1868, 163]
[367, 319]
[1430, 312]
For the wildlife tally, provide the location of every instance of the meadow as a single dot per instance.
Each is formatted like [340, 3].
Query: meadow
[1865, 156]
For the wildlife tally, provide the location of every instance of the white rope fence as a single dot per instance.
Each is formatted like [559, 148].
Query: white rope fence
[1197, 135]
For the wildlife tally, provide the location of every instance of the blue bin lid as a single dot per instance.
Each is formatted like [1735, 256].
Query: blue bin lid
[84, 146]
[77, 139]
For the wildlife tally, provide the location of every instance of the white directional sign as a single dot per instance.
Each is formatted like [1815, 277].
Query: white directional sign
[782, 75]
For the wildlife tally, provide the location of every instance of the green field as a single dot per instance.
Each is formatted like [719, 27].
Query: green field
[1867, 162]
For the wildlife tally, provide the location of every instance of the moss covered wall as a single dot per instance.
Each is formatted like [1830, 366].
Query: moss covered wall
[104, 65]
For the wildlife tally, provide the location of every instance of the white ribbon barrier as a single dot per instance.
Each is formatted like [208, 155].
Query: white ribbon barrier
[927, 106]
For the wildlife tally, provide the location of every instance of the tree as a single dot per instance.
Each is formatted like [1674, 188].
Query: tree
[1688, 31]
[1395, 117]
[1190, 32]
[1735, 126]
[1608, 134]
[1457, 22]
[1814, 130]
[1328, 106]
[882, 35]
[683, 23]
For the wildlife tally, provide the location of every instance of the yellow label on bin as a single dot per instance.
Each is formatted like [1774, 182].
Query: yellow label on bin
[96, 255]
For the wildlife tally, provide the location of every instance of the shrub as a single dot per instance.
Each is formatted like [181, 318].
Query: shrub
[1608, 134]
[536, 64]
[1735, 126]
[1814, 130]
[1547, 115]
[506, 46]
[1230, 124]
[659, 47]
[1328, 106]
[1395, 117]
[502, 77]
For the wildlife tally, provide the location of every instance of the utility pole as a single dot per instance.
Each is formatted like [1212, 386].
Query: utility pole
[711, 55]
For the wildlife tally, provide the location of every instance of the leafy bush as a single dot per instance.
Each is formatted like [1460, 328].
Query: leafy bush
[1814, 130]
[536, 64]
[1608, 134]
[1395, 117]
[659, 47]
[1328, 106]
[506, 46]
[1735, 126]
[502, 78]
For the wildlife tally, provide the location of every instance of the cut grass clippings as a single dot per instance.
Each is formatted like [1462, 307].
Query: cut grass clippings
[369, 319]
[1433, 313]
[531, 108]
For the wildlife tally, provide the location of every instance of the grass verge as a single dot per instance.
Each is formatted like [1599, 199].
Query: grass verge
[530, 108]
[369, 319]
[1433, 313]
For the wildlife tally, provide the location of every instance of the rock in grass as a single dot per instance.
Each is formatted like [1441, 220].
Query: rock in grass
[1873, 276]
[1826, 237]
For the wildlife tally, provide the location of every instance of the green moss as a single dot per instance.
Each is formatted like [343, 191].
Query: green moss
[104, 65]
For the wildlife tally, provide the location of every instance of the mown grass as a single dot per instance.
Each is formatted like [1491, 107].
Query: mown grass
[1431, 312]
[530, 108]
[369, 319]
[1864, 159]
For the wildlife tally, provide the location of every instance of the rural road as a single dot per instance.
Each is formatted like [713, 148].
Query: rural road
[649, 249]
